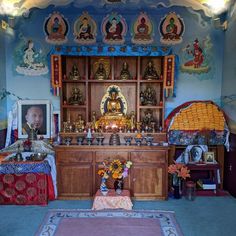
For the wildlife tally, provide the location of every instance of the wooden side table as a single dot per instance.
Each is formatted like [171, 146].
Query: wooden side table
[112, 200]
[210, 168]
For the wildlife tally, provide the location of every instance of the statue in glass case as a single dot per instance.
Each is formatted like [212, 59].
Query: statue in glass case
[125, 74]
[100, 73]
[149, 96]
[148, 119]
[150, 72]
[74, 74]
[76, 97]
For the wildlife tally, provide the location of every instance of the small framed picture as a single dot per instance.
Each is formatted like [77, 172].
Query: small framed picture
[209, 157]
[34, 114]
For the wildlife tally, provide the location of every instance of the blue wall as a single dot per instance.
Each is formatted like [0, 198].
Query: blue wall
[3, 100]
[205, 86]
[229, 75]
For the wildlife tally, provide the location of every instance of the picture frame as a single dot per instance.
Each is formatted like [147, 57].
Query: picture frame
[34, 114]
[56, 123]
[209, 157]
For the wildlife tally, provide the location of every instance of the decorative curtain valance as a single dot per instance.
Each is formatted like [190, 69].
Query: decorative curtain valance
[106, 50]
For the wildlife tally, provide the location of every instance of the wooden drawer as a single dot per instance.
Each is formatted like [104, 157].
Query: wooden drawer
[111, 155]
[148, 157]
[74, 157]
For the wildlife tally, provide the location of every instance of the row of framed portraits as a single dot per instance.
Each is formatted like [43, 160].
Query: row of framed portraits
[37, 115]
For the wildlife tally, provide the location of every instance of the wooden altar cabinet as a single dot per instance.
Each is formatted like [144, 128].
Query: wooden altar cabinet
[77, 168]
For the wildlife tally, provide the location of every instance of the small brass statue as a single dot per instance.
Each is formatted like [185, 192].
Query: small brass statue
[148, 97]
[76, 98]
[132, 121]
[100, 74]
[125, 74]
[74, 74]
[148, 119]
[150, 72]
[79, 124]
[94, 119]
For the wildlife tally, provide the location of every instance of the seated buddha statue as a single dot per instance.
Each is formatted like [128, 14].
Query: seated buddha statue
[100, 73]
[76, 97]
[150, 72]
[74, 74]
[125, 74]
[113, 104]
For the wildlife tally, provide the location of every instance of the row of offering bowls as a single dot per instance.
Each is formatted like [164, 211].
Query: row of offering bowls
[148, 140]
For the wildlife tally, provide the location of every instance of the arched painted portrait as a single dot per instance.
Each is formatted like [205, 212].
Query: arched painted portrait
[114, 29]
[56, 29]
[142, 31]
[171, 29]
[85, 29]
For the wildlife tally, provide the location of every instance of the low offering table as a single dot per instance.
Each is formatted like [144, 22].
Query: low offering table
[112, 200]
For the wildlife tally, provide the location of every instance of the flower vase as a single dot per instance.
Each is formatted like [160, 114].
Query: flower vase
[103, 187]
[177, 187]
[119, 185]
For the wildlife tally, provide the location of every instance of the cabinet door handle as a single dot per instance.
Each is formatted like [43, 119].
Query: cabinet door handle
[230, 167]
[134, 179]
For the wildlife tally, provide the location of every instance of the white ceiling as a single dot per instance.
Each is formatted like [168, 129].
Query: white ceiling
[18, 7]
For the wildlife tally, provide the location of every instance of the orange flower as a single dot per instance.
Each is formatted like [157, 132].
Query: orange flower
[179, 169]
[184, 172]
[115, 175]
[101, 172]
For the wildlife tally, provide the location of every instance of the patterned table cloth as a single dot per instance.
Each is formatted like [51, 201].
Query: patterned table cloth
[26, 183]
[112, 200]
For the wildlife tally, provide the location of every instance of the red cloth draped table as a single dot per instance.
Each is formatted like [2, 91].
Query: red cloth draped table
[26, 183]
[112, 200]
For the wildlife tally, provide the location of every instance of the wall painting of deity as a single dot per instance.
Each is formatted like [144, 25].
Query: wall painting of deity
[85, 29]
[114, 29]
[56, 28]
[142, 31]
[29, 58]
[196, 56]
[171, 29]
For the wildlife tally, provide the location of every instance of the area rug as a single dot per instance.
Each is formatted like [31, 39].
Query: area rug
[109, 223]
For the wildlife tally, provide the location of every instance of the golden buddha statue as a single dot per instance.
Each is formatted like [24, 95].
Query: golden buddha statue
[114, 104]
[113, 107]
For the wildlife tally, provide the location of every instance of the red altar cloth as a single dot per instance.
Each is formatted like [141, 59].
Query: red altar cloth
[26, 189]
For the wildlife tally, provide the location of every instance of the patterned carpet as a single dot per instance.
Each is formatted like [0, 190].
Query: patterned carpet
[109, 223]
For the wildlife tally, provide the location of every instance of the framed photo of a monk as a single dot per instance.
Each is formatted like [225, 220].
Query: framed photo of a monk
[34, 114]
